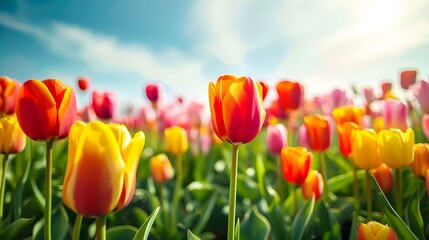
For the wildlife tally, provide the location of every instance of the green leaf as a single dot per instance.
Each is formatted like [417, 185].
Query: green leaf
[125, 232]
[237, 229]
[192, 236]
[60, 225]
[144, 230]
[13, 230]
[399, 227]
[342, 181]
[207, 212]
[413, 216]
[354, 228]
[302, 219]
[17, 199]
[255, 225]
[260, 173]
[200, 190]
[326, 223]
[247, 187]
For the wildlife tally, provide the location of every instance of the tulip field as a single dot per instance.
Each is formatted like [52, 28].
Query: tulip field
[343, 165]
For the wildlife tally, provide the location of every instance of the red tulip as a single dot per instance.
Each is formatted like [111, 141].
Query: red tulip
[296, 162]
[319, 134]
[264, 89]
[152, 92]
[236, 108]
[291, 95]
[386, 87]
[9, 90]
[408, 78]
[83, 83]
[104, 104]
[383, 176]
[46, 109]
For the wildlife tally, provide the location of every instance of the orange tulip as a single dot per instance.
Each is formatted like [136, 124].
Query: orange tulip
[46, 109]
[296, 162]
[236, 108]
[427, 181]
[101, 168]
[160, 168]
[374, 230]
[318, 132]
[384, 177]
[12, 138]
[348, 114]
[313, 184]
[9, 90]
[421, 159]
[344, 134]
[291, 95]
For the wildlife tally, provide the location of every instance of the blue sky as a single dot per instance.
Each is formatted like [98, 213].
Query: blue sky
[123, 45]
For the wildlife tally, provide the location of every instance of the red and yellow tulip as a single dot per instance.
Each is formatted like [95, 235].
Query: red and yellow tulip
[344, 136]
[296, 162]
[375, 231]
[101, 168]
[313, 184]
[384, 177]
[160, 168]
[348, 114]
[236, 108]
[12, 138]
[46, 109]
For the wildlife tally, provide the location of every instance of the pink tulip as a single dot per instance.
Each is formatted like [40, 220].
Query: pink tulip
[87, 114]
[425, 125]
[369, 94]
[276, 138]
[408, 78]
[421, 92]
[195, 112]
[395, 114]
[152, 92]
[146, 118]
[104, 104]
[302, 137]
[334, 99]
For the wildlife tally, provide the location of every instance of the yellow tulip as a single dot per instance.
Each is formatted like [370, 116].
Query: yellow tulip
[12, 138]
[365, 149]
[160, 168]
[176, 140]
[101, 168]
[396, 147]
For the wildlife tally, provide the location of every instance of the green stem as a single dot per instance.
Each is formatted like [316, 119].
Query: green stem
[356, 190]
[280, 180]
[295, 199]
[324, 175]
[232, 192]
[368, 194]
[76, 227]
[398, 191]
[3, 183]
[177, 191]
[48, 189]
[100, 223]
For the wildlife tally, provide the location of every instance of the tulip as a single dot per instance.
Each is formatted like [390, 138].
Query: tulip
[375, 231]
[318, 132]
[101, 168]
[152, 92]
[344, 135]
[396, 147]
[421, 92]
[160, 168]
[421, 159]
[276, 138]
[386, 87]
[427, 181]
[236, 108]
[408, 78]
[303, 136]
[369, 94]
[365, 149]
[12, 140]
[384, 177]
[237, 113]
[195, 111]
[425, 125]
[176, 140]
[291, 95]
[296, 163]
[348, 114]
[313, 184]
[395, 114]
[83, 83]
[334, 99]
[9, 90]
[264, 89]
[104, 104]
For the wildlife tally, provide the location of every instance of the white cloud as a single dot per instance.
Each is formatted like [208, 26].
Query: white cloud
[106, 53]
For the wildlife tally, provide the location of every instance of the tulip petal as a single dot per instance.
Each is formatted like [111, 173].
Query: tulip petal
[97, 180]
[122, 135]
[364, 232]
[131, 156]
[66, 113]
[216, 112]
[36, 110]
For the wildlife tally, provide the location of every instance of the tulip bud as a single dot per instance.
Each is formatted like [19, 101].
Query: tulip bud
[160, 168]
[296, 162]
[374, 230]
[83, 83]
[383, 176]
[176, 140]
[313, 184]
[319, 133]
[276, 138]
[12, 138]
[291, 95]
